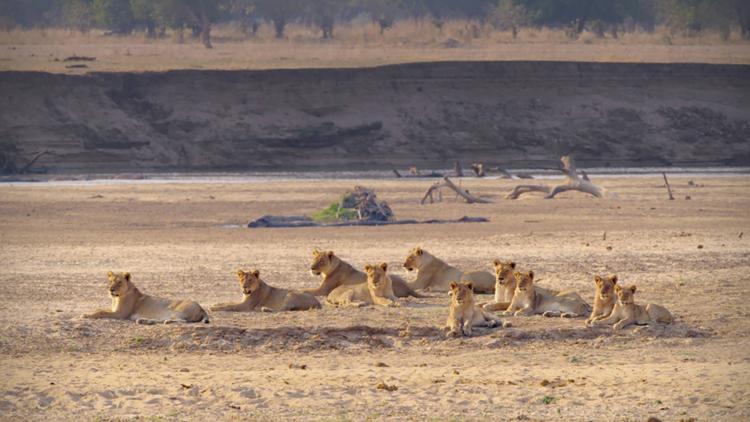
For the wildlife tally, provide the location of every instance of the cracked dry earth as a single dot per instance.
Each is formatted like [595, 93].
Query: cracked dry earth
[58, 240]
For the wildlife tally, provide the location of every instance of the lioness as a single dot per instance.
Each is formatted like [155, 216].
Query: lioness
[464, 313]
[505, 286]
[529, 299]
[129, 303]
[434, 274]
[604, 298]
[378, 290]
[626, 312]
[337, 272]
[258, 294]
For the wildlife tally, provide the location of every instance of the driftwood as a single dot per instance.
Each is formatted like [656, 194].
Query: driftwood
[447, 183]
[573, 181]
[413, 172]
[275, 221]
[480, 171]
[669, 189]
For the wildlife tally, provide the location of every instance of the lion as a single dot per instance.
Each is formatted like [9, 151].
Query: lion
[505, 286]
[529, 299]
[377, 290]
[259, 295]
[337, 272]
[464, 313]
[626, 312]
[604, 298]
[435, 275]
[129, 303]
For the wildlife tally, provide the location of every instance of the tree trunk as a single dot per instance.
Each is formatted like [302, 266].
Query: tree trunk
[279, 25]
[515, 31]
[573, 182]
[206, 35]
[150, 30]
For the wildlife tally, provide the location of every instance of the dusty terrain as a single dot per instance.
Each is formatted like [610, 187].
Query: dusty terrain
[59, 240]
[424, 114]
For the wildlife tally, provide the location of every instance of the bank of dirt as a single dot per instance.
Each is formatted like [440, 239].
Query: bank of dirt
[513, 113]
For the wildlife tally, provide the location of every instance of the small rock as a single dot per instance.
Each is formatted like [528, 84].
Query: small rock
[544, 383]
[184, 370]
[700, 246]
[381, 365]
[609, 248]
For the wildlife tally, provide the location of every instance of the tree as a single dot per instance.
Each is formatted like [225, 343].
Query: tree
[696, 15]
[508, 15]
[114, 15]
[280, 12]
[200, 13]
[77, 14]
[145, 13]
[383, 12]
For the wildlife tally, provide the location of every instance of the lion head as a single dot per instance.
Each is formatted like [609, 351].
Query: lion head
[605, 286]
[625, 295]
[249, 281]
[416, 259]
[323, 262]
[377, 279]
[504, 272]
[524, 281]
[119, 283]
[462, 294]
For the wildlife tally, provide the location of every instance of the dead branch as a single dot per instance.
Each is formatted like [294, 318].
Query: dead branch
[447, 183]
[26, 168]
[457, 168]
[478, 169]
[669, 189]
[573, 182]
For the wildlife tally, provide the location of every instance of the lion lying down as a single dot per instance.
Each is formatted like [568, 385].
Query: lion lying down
[529, 299]
[433, 274]
[377, 290]
[259, 295]
[626, 312]
[337, 272]
[129, 303]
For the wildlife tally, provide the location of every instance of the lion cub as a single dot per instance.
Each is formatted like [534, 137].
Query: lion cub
[129, 303]
[604, 298]
[378, 290]
[529, 299]
[258, 294]
[464, 313]
[626, 312]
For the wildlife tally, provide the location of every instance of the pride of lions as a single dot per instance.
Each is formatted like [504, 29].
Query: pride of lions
[344, 286]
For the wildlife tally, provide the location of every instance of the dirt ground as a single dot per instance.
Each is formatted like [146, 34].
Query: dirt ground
[58, 240]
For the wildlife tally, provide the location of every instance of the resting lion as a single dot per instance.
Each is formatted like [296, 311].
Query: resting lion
[129, 303]
[464, 313]
[434, 274]
[529, 299]
[337, 272]
[259, 295]
[626, 312]
[505, 286]
[378, 290]
[604, 298]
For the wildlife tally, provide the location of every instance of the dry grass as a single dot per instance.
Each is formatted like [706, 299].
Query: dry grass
[355, 45]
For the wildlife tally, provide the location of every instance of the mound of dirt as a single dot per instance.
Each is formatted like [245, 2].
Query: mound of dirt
[428, 114]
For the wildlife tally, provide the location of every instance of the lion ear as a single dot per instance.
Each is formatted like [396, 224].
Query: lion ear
[454, 285]
[632, 288]
[240, 274]
[368, 268]
[470, 285]
[531, 275]
[256, 273]
[614, 279]
[330, 254]
[110, 274]
[496, 262]
[513, 265]
[316, 252]
[518, 276]
[597, 279]
[419, 250]
[384, 266]
[127, 276]
[617, 288]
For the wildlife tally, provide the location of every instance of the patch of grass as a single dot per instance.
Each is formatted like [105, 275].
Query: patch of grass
[333, 213]
[548, 399]
[138, 340]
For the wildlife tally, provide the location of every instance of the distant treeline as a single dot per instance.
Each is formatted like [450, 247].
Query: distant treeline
[601, 17]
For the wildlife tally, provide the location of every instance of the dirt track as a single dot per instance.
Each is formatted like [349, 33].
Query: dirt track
[429, 114]
[58, 242]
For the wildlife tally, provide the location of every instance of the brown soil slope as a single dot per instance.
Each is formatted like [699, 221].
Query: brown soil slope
[425, 114]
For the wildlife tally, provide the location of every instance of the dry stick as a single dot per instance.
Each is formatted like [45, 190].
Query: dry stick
[396, 173]
[458, 170]
[669, 189]
[26, 168]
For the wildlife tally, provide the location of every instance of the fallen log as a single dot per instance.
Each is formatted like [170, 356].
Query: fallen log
[275, 221]
[447, 183]
[574, 181]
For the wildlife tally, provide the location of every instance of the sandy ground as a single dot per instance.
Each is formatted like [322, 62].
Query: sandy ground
[58, 242]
